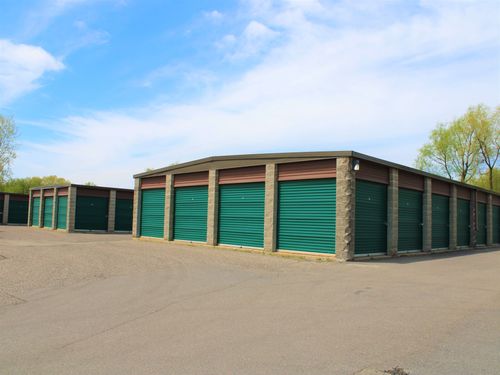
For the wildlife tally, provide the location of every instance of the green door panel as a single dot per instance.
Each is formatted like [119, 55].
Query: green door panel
[190, 213]
[62, 212]
[35, 214]
[306, 215]
[18, 212]
[241, 214]
[481, 224]
[463, 226]
[152, 213]
[371, 218]
[123, 214]
[48, 204]
[496, 224]
[440, 221]
[410, 220]
[91, 213]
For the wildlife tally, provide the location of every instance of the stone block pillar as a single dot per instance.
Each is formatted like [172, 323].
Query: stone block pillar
[169, 208]
[453, 218]
[30, 208]
[213, 206]
[55, 199]
[473, 219]
[346, 205]
[427, 215]
[271, 207]
[393, 213]
[489, 221]
[70, 219]
[112, 211]
[42, 208]
[136, 215]
[6, 204]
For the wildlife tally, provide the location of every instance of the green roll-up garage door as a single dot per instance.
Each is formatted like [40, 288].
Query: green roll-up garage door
[463, 217]
[306, 215]
[153, 213]
[62, 212]
[91, 213]
[481, 224]
[241, 214]
[35, 214]
[123, 215]
[18, 212]
[440, 221]
[47, 211]
[410, 220]
[190, 213]
[371, 218]
[496, 224]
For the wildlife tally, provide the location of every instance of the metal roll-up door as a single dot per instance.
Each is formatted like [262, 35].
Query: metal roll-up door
[47, 211]
[463, 224]
[123, 215]
[410, 220]
[241, 214]
[371, 218]
[91, 213]
[153, 213]
[481, 224]
[496, 224]
[190, 213]
[62, 212]
[18, 212]
[306, 215]
[35, 215]
[440, 221]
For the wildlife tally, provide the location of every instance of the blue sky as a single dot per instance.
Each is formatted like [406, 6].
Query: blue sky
[103, 89]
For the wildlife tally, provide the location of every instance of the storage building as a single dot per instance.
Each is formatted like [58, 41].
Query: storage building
[13, 208]
[81, 208]
[343, 203]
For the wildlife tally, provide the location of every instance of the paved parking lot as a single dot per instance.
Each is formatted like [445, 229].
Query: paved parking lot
[106, 304]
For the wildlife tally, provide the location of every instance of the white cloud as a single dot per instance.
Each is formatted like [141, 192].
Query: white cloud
[21, 67]
[253, 40]
[214, 15]
[377, 89]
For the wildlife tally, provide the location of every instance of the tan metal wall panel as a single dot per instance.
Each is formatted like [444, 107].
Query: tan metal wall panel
[440, 187]
[242, 175]
[482, 197]
[373, 172]
[153, 182]
[36, 193]
[87, 192]
[48, 192]
[124, 194]
[307, 170]
[191, 179]
[411, 181]
[62, 192]
[463, 192]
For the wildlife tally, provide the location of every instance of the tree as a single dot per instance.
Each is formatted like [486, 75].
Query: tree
[486, 125]
[452, 151]
[484, 180]
[8, 135]
[23, 185]
[89, 183]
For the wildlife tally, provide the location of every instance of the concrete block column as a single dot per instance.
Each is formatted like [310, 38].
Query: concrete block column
[453, 218]
[169, 208]
[42, 208]
[55, 200]
[136, 215]
[271, 207]
[30, 209]
[427, 215]
[489, 220]
[473, 219]
[6, 203]
[213, 206]
[346, 207]
[393, 213]
[70, 219]
[111, 210]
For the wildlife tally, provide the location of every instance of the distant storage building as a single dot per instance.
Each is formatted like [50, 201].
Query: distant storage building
[13, 208]
[342, 203]
[81, 208]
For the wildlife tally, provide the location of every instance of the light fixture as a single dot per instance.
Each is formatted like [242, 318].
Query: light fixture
[355, 164]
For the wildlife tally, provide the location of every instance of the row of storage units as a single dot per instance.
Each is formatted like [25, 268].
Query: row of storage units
[305, 202]
[13, 208]
[82, 208]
